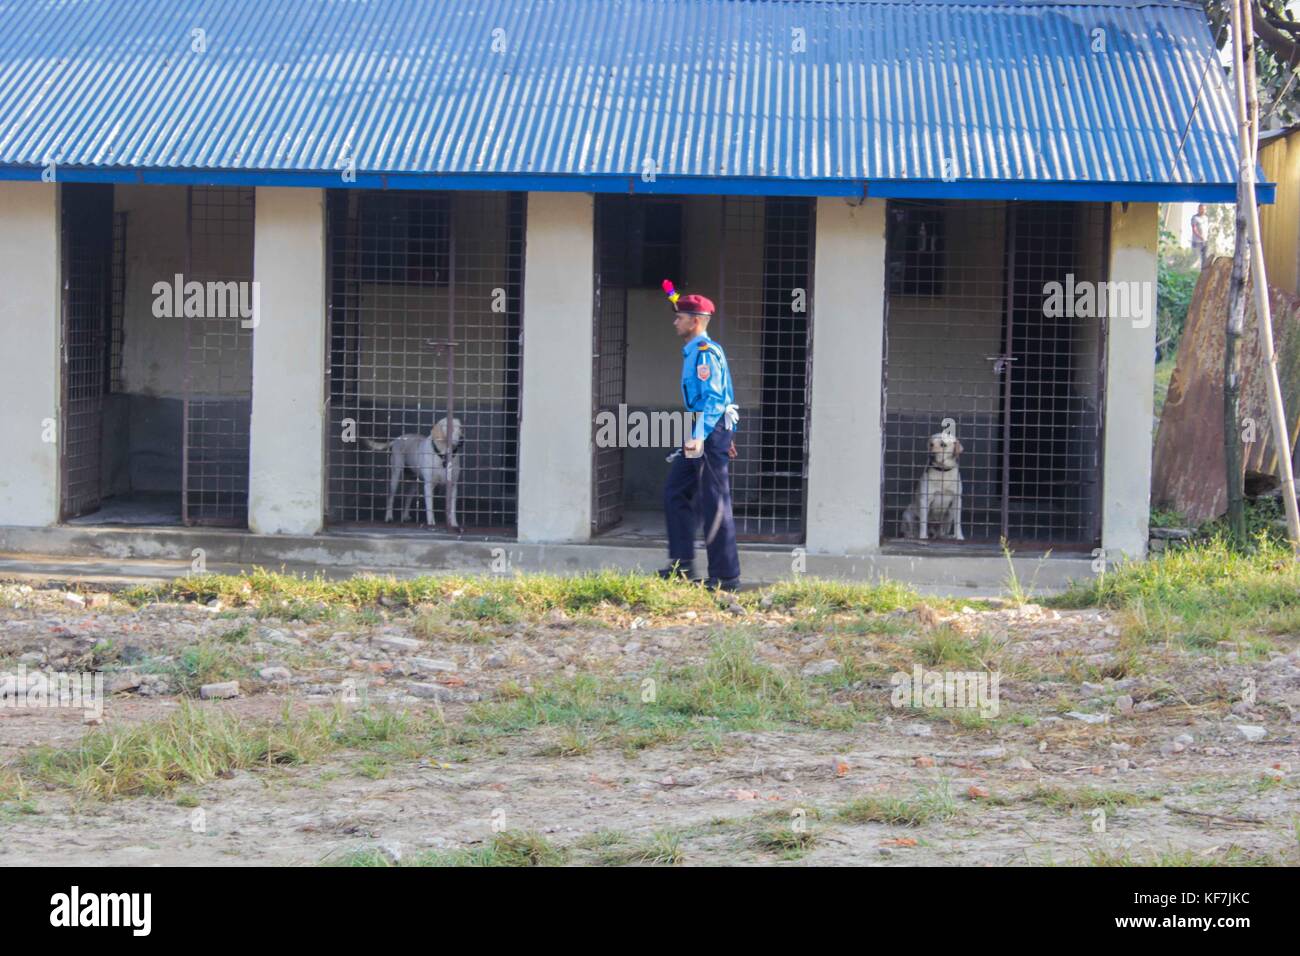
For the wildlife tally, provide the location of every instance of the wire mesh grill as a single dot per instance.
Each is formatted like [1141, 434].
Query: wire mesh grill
[609, 373]
[87, 225]
[972, 351]
[425, 323]
[753, 256]
[764, 325]
[118, 303]
[219, 356]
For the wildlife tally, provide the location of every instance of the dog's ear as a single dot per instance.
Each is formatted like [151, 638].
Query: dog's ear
[958, 449]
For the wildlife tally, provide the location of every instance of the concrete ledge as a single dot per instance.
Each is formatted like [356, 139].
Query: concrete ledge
[405, 554]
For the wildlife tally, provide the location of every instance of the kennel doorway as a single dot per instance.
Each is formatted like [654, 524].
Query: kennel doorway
[425, 322]
[753, 257]
[972, 348]
[218, 395]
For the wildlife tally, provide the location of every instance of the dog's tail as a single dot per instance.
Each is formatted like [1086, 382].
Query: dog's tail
[377, 445]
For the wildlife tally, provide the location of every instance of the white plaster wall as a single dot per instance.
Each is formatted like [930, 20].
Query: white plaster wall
[29, 360]
[845, 432]
[555, 443]
[287, 468]
[1130, 376]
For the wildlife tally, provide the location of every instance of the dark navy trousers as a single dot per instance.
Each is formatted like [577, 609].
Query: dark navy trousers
[706, 482]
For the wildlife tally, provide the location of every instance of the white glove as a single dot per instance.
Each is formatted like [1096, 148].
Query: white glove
[732, 415]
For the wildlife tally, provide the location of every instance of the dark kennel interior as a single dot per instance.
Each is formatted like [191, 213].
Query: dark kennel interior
[155, 403]
[971, 349]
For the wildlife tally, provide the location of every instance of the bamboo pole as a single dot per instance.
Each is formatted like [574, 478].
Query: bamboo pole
[1237, 296]
[1245, 81]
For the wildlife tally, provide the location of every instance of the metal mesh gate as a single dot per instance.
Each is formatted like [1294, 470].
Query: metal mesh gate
[753, 256]
[219, 356]
[975, 348]
[763, 323]
[425, 323]
[609, 350]
[87, 226]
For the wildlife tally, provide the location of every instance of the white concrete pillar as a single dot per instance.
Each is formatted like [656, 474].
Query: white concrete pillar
[845, 442]
[287, 468]
[30, 324]
[555, 442]
[1130, 379]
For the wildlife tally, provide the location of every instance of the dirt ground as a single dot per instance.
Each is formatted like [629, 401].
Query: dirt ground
[1099, 753]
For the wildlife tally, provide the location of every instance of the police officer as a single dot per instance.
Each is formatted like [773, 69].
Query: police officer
[701, 473]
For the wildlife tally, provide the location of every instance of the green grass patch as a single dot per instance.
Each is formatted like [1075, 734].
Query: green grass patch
[506, 849]
[1199, 595]
[661, 849]
[925, 805]
[506, 598]
[198, 744]
[731, 691]
[1086, 798]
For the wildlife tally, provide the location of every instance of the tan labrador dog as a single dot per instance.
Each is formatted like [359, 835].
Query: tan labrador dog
[938, 494]
[434, 459]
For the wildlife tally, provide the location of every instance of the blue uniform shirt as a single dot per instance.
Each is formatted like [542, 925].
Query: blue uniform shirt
[706, 383]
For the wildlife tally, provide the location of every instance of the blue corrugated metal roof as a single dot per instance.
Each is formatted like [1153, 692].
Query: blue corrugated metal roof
[927, 98]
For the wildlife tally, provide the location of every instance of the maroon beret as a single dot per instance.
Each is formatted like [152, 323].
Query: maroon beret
[695, 303]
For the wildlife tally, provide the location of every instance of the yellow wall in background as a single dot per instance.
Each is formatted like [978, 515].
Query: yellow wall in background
[1280, 223]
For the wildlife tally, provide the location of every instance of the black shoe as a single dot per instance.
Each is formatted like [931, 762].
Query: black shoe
[722, 584]
[677, 569]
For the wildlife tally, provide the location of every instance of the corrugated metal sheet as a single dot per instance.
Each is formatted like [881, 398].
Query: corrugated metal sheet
[928, 96]
[1279, 159]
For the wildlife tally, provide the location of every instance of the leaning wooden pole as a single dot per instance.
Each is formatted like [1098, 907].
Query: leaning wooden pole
[1232, 451]
[1259, 281]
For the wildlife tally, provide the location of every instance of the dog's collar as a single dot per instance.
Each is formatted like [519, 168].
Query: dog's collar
[446, 457]
[949, 468]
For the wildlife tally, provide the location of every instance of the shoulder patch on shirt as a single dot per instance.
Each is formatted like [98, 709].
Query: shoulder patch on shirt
[703, 346]
[702, 370]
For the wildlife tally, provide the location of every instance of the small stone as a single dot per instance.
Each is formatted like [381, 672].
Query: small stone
[1185, 739]
[820, 668]
[221, 691]
[689, 615]
[885, 851]
[786, 776]
[1124, 704]
[274, 673]
[122, 681]
[399, 644]
[496, 660]
[1018, 763]
[1252, 732]
[1088, 718]
[916, 729]
[432, 664]
[631, 647]
[1241, 708]
[556, 617]
[76, 600]
[1148, 705]
[1091, 690]
[431, 691]
[101, 600]
[693, 777]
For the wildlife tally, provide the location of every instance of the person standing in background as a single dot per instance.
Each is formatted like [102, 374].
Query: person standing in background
[1200, 236]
